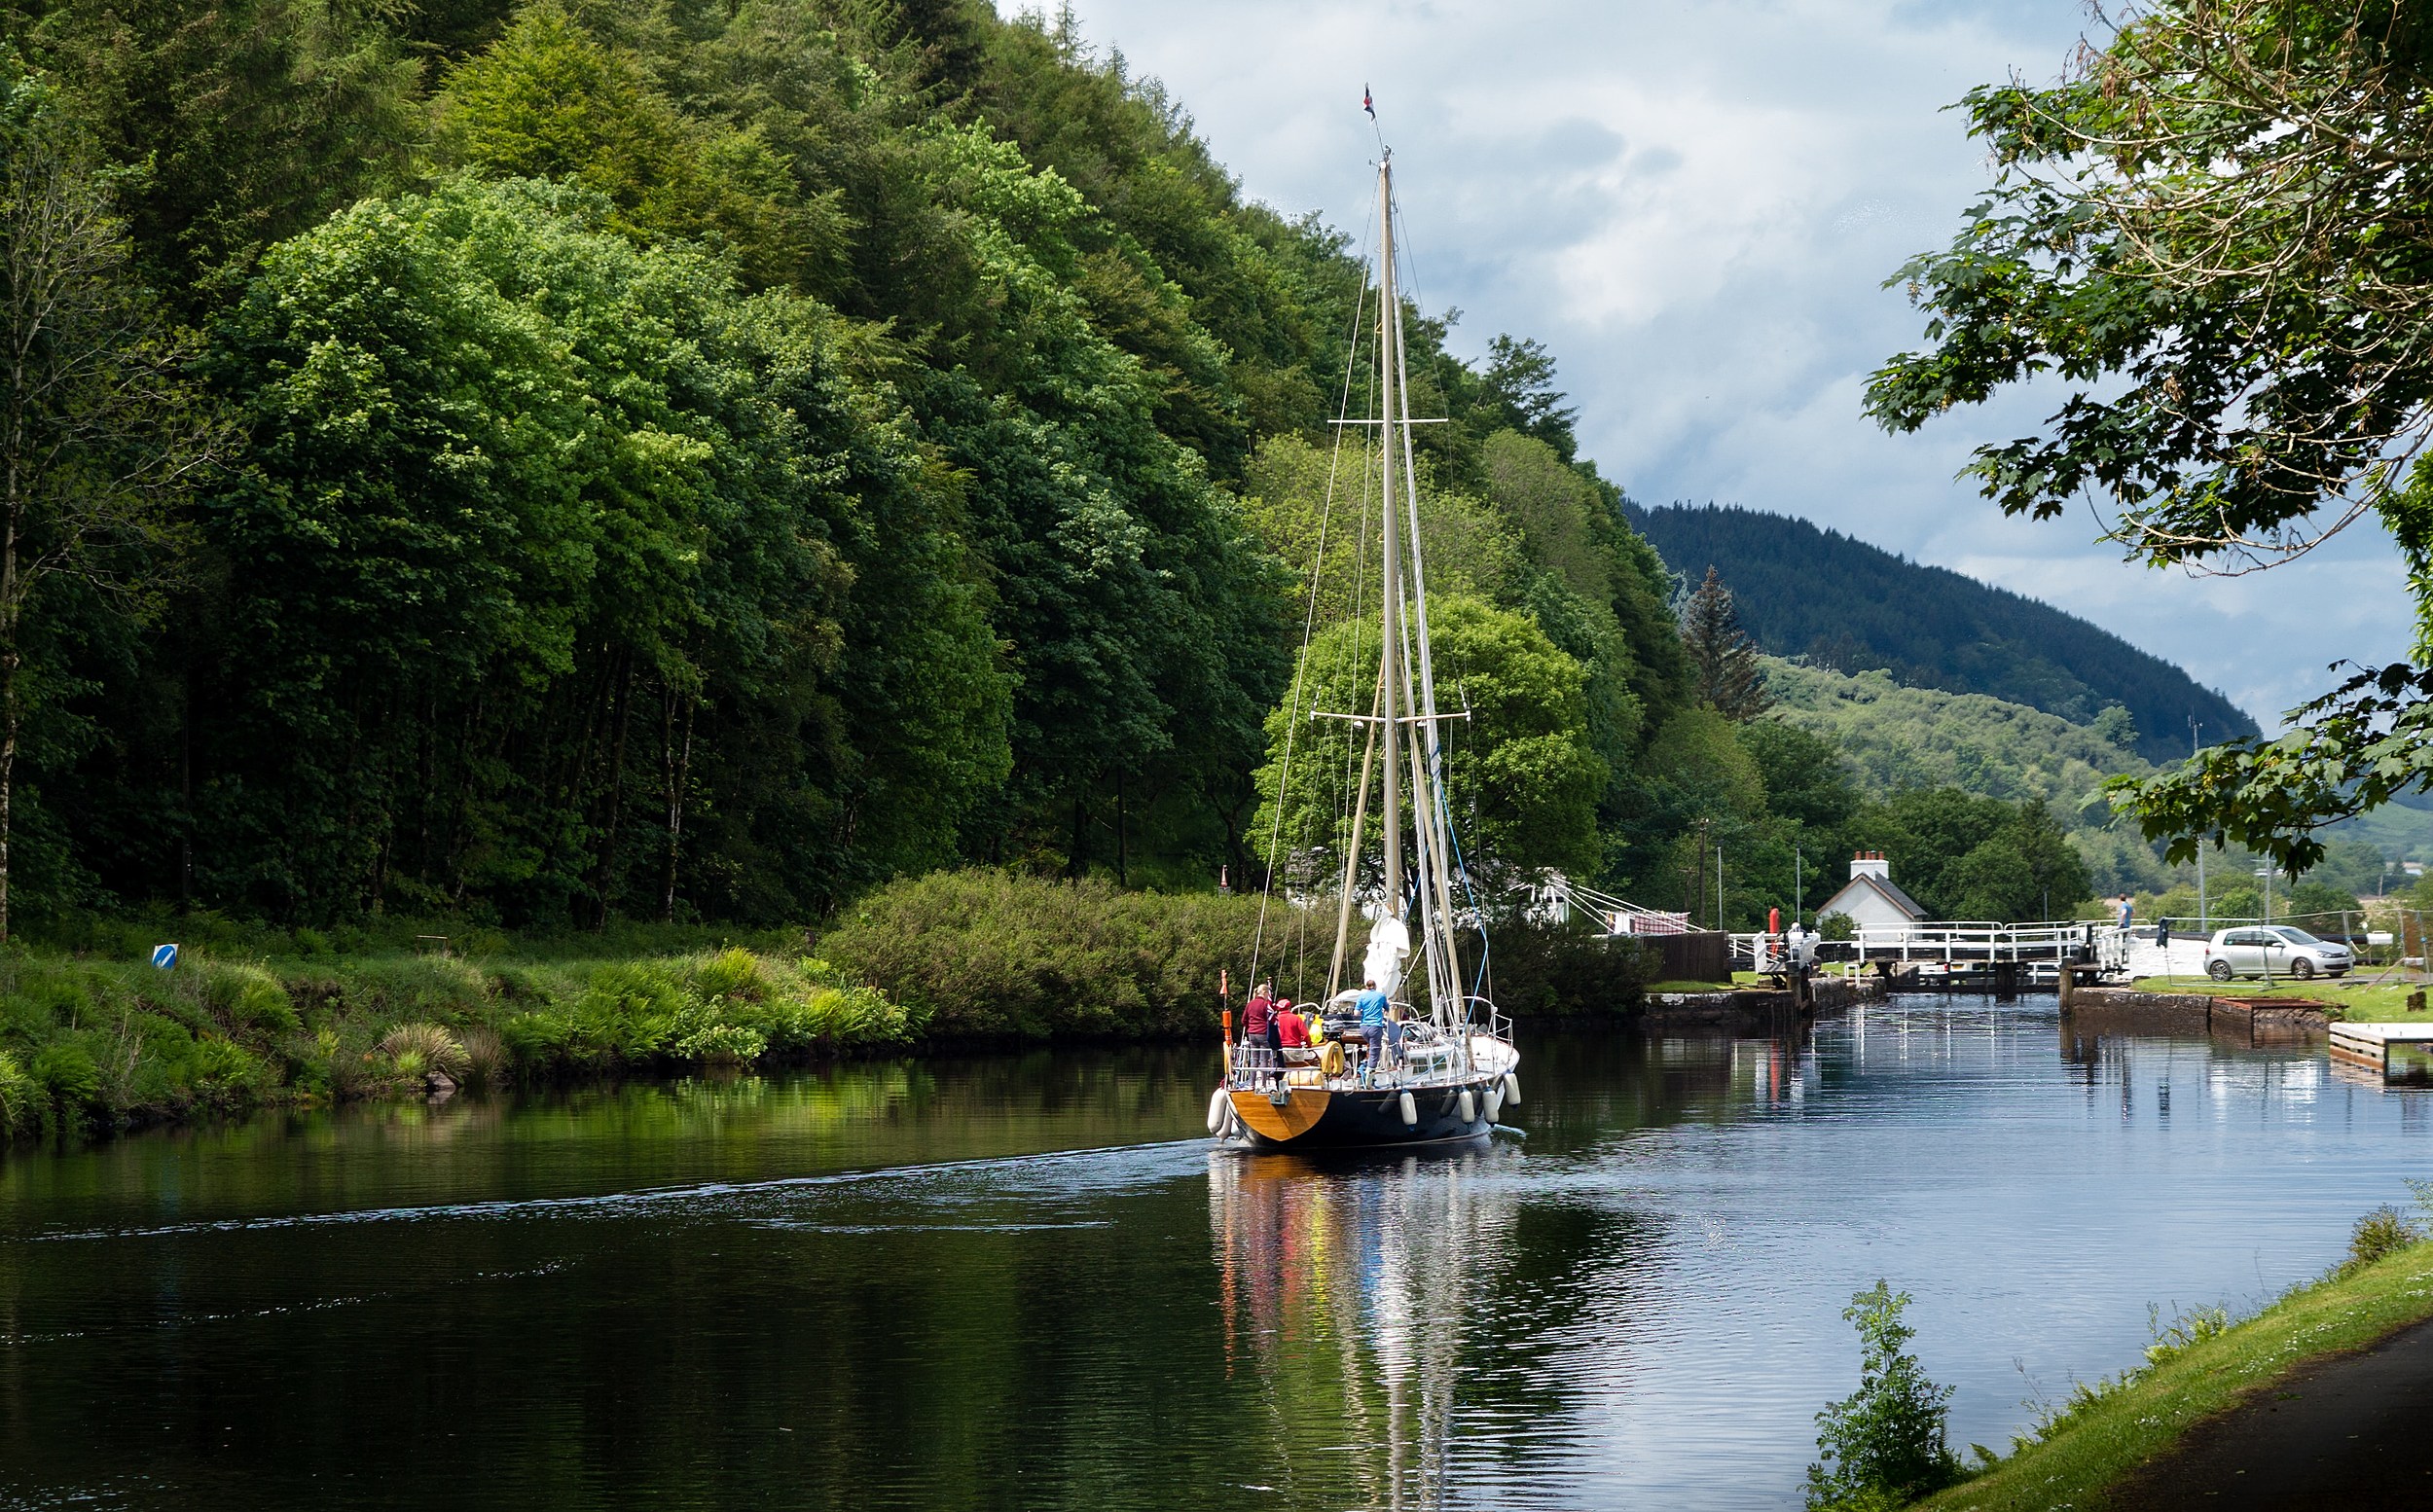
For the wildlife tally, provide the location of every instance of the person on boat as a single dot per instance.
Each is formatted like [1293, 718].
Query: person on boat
[1259, 1017]
[1373, 1006]
[1291, 1030]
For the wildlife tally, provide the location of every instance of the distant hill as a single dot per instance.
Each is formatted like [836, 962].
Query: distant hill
[1898, 737]
[1841, 603]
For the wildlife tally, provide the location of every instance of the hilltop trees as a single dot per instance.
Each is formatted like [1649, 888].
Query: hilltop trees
[2208, 232]
[1730, 681]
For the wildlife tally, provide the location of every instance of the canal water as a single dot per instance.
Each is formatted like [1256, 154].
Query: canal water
[1025, 1282]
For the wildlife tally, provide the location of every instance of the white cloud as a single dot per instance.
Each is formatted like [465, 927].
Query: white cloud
[1694, 207]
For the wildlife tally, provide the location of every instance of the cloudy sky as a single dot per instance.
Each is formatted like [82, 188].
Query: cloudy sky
[1695, 206]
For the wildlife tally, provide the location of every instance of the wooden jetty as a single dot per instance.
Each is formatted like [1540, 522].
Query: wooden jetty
[2369, 1046]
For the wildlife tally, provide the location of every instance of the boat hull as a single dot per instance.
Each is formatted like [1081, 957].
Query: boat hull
[1364, 1118]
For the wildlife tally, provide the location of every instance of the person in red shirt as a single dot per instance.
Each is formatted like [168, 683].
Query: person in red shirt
[1291, 1030]
[1258, 1018]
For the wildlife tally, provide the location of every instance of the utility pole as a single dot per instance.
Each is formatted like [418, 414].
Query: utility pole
[1719, 886]
[1798, 885]
[2205, 924]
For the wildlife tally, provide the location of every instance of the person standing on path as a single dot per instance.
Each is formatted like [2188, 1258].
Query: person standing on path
[2128, 911]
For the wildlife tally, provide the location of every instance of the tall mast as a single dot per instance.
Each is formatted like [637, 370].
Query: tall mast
[1389, 672]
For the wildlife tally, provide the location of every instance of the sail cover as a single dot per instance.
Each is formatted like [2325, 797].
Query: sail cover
[1389, 946]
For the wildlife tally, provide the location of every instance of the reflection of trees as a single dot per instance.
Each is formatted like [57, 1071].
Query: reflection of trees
[1348, 1296]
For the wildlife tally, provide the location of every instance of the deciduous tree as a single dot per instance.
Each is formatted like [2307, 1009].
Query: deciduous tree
[100, 433]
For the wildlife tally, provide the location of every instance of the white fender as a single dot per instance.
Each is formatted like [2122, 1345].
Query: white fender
[1411, 1112]
[1494, 1101]
[1467, 1106]
[1512, 1087]
[1219, 1111]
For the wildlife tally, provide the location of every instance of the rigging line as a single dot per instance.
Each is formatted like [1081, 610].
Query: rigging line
[1309, 619]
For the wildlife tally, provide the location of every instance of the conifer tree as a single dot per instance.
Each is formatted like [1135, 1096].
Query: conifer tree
[1721, 657]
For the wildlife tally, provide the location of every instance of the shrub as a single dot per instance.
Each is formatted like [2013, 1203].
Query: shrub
[65, 1071]
[980, 954]
[722, 1043]
[248, 997]
[1559, 969]
[225, 1073]
[1836, 926]
[486, 1057]
[1883, 1445]
[418, 1048]
[2383, 1231]
[20, 1097]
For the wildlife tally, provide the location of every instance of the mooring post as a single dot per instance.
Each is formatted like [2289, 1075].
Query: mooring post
[2069, 984]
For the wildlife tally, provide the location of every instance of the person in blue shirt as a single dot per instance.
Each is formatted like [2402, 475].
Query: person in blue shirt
[1373, 1006]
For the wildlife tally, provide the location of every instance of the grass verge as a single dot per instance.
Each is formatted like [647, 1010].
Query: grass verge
[2107, 1433]
[2359, 999]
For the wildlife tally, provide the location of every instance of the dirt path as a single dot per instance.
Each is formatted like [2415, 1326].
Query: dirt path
[2351, 1432]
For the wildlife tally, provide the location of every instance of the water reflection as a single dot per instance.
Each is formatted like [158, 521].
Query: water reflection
[1347, 1290]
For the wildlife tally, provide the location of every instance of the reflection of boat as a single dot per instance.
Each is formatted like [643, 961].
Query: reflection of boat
[1447, 1067]
[1348, 1291]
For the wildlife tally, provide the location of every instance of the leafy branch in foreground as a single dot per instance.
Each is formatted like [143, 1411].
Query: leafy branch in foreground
[2355, 748]
[2217, 229]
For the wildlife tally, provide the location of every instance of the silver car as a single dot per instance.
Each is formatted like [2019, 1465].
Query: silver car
[2273, 951]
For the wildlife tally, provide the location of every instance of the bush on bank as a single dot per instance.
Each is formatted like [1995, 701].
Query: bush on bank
[979, 955]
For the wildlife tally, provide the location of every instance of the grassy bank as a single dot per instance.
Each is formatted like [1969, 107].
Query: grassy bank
[92, 1037]
[89, 1044]
[2199, 1368]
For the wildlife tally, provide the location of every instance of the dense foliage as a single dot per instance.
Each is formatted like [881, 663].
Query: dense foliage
[1841, 603]
[588, 460]
[686, 463]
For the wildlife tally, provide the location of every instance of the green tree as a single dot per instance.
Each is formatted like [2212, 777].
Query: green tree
[586, 509]
[549, 100]
[1518, 391]
[1520, 780]
[1730, 678]
[2026, 869]
[1883, 1446]
[100, 434]
[2201, 230]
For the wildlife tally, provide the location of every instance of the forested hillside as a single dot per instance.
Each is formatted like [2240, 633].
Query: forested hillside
[1841, 603]
[581, 458]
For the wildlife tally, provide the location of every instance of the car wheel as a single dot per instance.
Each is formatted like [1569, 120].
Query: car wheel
[2302, 969]
[2219, 970]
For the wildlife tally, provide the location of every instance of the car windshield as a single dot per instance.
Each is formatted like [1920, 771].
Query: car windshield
[2296, 936]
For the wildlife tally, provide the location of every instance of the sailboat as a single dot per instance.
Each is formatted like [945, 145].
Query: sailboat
[1445, 1068]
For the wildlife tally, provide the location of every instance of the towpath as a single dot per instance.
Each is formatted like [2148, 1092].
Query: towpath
[2346, 1432]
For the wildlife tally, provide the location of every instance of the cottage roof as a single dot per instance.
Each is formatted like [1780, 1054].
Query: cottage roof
[1884, 886]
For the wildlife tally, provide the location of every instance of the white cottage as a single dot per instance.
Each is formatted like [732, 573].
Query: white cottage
[1869, 897]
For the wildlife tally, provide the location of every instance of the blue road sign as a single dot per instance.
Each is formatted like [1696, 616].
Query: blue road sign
[164, 956]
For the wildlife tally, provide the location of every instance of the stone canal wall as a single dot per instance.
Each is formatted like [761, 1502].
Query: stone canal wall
[2199, 1012]
[1751, 1009]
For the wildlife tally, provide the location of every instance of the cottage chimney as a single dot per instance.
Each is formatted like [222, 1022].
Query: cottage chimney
[1870, 863]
